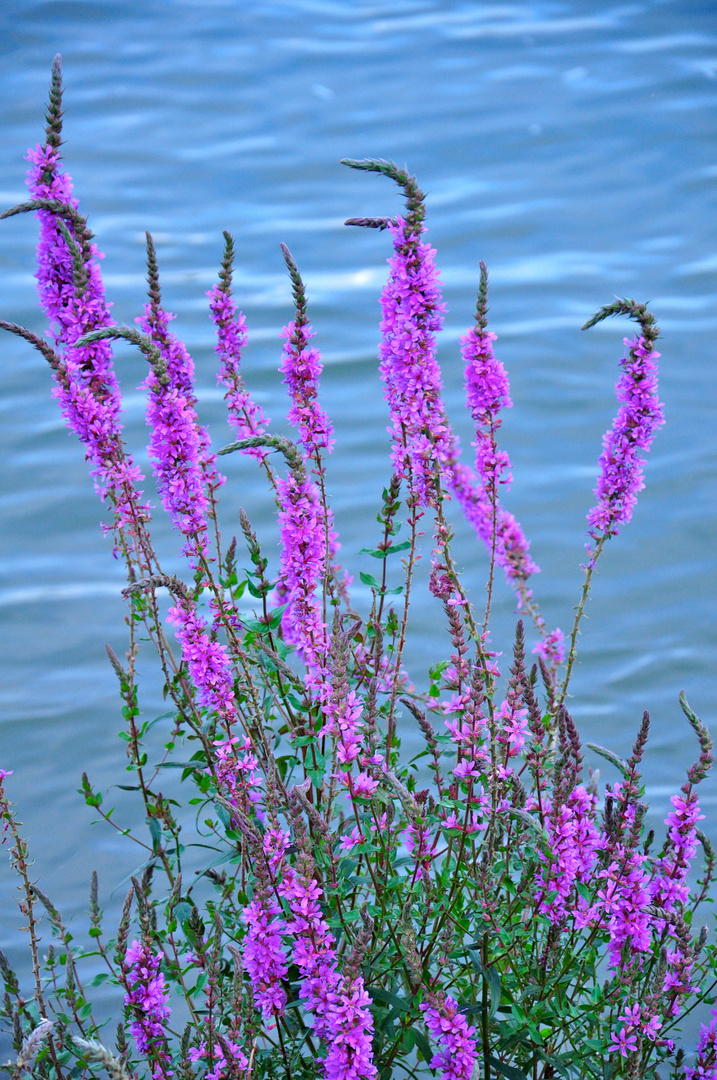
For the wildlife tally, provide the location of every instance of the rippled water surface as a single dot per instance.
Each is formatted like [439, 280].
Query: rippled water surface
[571, 146]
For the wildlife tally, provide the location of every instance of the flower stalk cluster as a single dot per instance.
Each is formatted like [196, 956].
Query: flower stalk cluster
[499, 913]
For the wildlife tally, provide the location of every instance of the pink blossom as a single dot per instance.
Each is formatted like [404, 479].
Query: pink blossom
[633, 430]
[147, 996]
[623, 1042]
[243, 413]
[301, 366]
[458, 1056]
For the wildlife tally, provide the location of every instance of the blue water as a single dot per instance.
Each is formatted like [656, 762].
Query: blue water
[571, 146]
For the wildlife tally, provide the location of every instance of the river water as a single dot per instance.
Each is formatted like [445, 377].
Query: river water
[571, 146]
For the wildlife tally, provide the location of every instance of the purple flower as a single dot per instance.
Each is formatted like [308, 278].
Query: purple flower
[705, 1066]
[574, 840]
[623, 1042]
[633, 430]
[264, 958]
[342, 721]
[422, 439]
[342, 1017]
[552, 648]
[487, 391]
[623, 897]
[210, 670]
[350, 1055]
[183, 462]
[668, 886]
[207, 660]
[147, 995]
[490, 519]
[221, 1068]
[412, 314]
[87, 388]
[449, 1027]
[175, 449]
[245, 416]
[303, 567]
[301, 367]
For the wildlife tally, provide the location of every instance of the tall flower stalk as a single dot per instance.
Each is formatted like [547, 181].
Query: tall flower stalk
[243, 413]
[72, 295]
[624, 447]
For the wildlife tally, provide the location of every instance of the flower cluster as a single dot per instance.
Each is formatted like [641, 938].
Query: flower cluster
[87, 388]
[222, 1068]
[668, 888]
[147, 997]
[552, 648]
[345, 901]
[487, 392]
[183, 462]
[208, 661]
[264, 958]
[301, 367]
[457, 1057]
[412, 314]
[303, 566]
[497, 527]
[574, 840]
[633, 430]
[341, 1007]
[243, 413]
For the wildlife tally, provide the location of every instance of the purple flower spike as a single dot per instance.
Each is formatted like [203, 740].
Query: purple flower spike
[487, 391]
[208, 662]
[412, 314]
[448, 1026]
[301, 366]
[176, 447]
[575, 841]
[633, 430]
[147, 995]
[264, 958]
[244, 415]
[87, 388]
[341, 1007]
[303, 566]
[184, 464]
[512, 549]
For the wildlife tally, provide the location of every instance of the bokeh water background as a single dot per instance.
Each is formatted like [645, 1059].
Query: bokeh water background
[569, 145]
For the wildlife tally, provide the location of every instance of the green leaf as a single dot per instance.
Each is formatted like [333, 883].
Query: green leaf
[491, 976]
[422, 1044]
[276, 616]
[162, 716]
[256, 593]
[390, 999]
[618, 762]
[381, 553]
[409, 1039]
[155, 831]
[367, 579]
[506, 1070]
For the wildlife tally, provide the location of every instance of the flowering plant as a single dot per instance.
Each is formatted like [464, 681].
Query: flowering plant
[509, 919]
